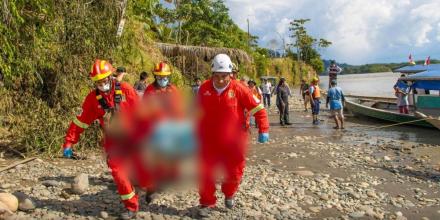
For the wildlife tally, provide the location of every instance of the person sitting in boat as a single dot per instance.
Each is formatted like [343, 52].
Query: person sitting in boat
[402, 89]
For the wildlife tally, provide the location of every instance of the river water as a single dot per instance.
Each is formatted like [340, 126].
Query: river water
[368, 84]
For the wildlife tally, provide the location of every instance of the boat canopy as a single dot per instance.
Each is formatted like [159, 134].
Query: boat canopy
[429, 80]
[417, 68]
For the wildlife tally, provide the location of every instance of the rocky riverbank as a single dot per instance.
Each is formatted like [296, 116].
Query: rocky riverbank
[305, 172]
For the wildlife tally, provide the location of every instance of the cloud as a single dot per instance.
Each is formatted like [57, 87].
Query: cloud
[361, 31]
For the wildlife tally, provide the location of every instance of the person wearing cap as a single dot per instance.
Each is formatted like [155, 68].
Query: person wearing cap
[282, 92]
[223, 133]
[315, 96]
[336, 99]
[120, 73]
[108, 103]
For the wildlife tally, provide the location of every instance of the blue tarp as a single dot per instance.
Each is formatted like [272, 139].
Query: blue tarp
[429, 80]
[417, 68]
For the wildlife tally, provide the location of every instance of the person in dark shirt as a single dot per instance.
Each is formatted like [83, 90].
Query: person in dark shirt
[196, 86]
[304, 91]
[141, 85]
[282, 101]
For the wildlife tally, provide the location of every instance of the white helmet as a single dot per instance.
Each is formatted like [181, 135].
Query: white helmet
[221, 64]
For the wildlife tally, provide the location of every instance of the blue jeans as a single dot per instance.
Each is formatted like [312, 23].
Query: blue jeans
[315, 107]
[266, 99]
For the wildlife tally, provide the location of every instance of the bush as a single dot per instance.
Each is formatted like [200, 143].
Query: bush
[49, 47]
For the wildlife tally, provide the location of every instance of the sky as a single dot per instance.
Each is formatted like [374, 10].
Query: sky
[361, 31]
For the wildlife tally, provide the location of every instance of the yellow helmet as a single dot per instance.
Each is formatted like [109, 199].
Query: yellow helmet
[315, 79]
[101, 69]
[162, 69]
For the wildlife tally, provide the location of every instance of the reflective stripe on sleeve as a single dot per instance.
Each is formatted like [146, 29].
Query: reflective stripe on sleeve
[80, 123]
[128, 196]
[256, 109]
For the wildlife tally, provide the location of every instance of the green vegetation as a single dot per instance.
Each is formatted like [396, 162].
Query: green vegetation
[48, 47]
[306, 45]
[290, 69]
[47, 50]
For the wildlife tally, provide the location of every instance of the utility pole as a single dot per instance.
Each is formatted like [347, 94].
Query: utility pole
[298, 54]
[249, 33]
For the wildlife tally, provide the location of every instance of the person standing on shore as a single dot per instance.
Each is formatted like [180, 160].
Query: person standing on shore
[223, 134]
[315, 96]
[336, 98]
[304, 91]
[257, 94]
[267, 91]
[282, 92]
[333, 72]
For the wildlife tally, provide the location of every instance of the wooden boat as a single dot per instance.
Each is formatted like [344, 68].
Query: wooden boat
[428, 105]
[435, 121]
[425, 77]
[381, 109]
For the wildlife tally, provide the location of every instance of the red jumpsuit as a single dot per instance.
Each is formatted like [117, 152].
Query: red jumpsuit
[168, 101]
[118, 155]
[223, 135]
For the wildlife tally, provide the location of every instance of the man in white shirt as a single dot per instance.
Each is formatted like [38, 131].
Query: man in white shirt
[266, 87]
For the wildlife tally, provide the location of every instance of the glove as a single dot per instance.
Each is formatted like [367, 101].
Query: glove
[67, 152]
[263, 137]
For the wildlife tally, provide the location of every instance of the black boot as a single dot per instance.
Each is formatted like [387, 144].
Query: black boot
[229, 203]
[149, 196]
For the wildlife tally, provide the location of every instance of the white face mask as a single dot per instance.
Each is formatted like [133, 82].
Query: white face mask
[104, 88]
[163, 82]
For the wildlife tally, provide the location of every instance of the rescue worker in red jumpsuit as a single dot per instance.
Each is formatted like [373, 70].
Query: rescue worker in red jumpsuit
[165, 98]
[168, 96]
[223, 132]
[110, 98]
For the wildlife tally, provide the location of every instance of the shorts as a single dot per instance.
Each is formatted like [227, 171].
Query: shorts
[306, 98]
[316, 107]
[337, 112]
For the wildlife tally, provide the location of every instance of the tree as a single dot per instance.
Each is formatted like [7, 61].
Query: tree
[307, 45]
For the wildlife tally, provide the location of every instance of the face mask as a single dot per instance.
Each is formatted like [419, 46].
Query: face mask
[104, 88]
[162, 82]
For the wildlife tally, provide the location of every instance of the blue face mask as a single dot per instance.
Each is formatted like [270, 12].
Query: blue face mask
[163, 82]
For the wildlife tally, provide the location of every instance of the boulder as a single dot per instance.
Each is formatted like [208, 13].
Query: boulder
[25, 203]
[80, 184]
[10, 201]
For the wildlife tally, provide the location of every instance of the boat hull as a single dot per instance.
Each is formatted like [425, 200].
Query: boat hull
[355, 106]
